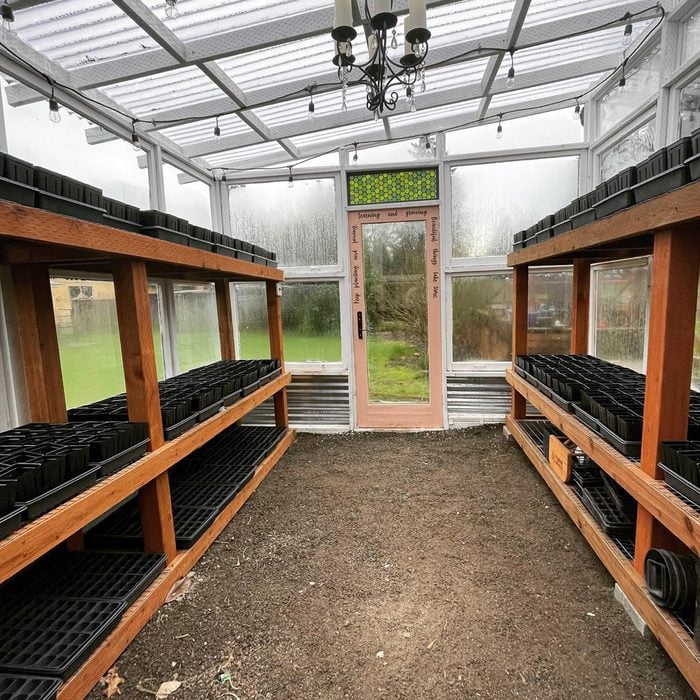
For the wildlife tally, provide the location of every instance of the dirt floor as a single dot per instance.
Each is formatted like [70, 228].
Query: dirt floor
[379, 565]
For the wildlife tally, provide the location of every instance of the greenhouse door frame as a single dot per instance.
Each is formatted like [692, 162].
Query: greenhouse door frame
[398, 415]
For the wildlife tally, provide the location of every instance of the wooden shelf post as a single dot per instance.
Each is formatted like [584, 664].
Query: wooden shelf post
[580, 304]
[223, 311]
[39, 343]
[141, 378]
[675, 269]
[520, 287]
[274, 325]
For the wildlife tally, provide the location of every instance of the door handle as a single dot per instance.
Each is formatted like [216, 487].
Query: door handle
[360, 330]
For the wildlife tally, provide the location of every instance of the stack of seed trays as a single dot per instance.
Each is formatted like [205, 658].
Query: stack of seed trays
[680, 463]
[43, 465]
[21, 687]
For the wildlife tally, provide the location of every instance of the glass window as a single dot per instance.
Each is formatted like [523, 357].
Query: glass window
[189, 201]
[400, 152]
[310, 321]
[298, 223]
[546, 129]
[481, 318]
[196, 325]
[549, 311]
[63, 148]
[690, 107]
[633, 149]
[88, 338]
[641, 83]
[490, 202]
[691, 38]
[620, 313]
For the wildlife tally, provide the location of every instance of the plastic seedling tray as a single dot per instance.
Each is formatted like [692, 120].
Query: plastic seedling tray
[679, 151]
[9, 522]
[210, 411]
[209, 495]
[18, 170]
[165, 234]
[603, 508]
[659, 184]
[16, 687]
[231, 398]
[585, 216]
[69, 207]
[48, 181]
[237, 474]
[54, 637]
[693, 165]
[615, 202]
[562, 227]
[122, 459]
[225, 250]
[199, 244]
[250, 388]
[683, 486]
[50, 499]
[629, 448]
[173, 431]
[8, 494]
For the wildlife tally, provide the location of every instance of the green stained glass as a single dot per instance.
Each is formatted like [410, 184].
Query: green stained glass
[393, 186]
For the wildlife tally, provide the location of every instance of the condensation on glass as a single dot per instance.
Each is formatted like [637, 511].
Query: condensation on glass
[641, 84]
[620, 313]
[189, 200]
[491, 201]
[298, 223]
[549, 311]
[633, 149]
[396, 303]
[691, 36]
[196, 325]
[689, 115]
[88, 338]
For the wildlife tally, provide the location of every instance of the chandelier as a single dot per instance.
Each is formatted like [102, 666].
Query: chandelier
[383, 76]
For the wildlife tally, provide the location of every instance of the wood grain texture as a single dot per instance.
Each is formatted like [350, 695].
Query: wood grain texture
[156, 512]
[675, 640]
[580, 304]
[274, 326]
[675, 208]
[84, 680]
[651, 494]
[225, 319]
[39, 343]
[36, 538]
[519, 330]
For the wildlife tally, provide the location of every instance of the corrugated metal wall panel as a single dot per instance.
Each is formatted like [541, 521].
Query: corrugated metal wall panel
[477, 399]
[314, 400]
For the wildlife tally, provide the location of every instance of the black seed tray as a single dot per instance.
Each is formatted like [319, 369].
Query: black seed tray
[11, 521]
[226, 446]
[54, 637]
[662, 183]
[122, 459]
[683, 486]
[231, 398]
[199, 244]
[693, 164]
[629, 448]
[69, 207]
[121, 576]
[225, 250]
[174, 431]
[17, 687]
[615, 202]
[50, 499]
[237, 474]
[48, 181]
[8, 496]
[165, 234]
[602, 507]
[210, 411]
[216, 496]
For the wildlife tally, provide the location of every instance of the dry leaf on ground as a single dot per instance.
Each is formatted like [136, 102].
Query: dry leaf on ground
[180, 589]
[167, 689]
[111, 682]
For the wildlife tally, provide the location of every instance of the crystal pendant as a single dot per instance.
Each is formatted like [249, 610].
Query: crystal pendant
[394, 42]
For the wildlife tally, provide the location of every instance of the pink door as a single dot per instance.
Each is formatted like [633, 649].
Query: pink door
[395, 268]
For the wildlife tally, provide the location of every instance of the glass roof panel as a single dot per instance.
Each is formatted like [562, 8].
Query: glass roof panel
[239, 155]
[78, 32]
[200, 18]
[450, 76]
[175, 88]
[465, 109]
[553, 90]
[203, 130]
[547, 10]
[469, 19]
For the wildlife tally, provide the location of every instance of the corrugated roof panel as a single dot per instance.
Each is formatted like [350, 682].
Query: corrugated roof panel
[246, 154]
[353, 132]
[548, 10]
[470, 19]
[553, 90]
[457, 109]
[203, 130]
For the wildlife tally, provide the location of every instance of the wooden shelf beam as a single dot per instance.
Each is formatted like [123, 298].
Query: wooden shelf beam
[677, 642]
[273, 292]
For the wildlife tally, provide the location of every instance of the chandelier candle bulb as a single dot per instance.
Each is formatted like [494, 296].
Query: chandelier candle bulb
[381, 6]
[417, 11]
[343, 13]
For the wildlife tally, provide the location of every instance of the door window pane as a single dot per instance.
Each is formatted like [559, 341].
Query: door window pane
[549, 312]
[633, 149]
[196, 325]
[490, 202]
[620, 314]
[396, 302]
[88, 338]
[481, 318]
[298, 223]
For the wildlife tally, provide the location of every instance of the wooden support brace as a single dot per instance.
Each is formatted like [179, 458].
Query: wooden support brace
[223, 310]
[274, 325]
[580, 304]
[520, 286]
[39, 343]
[675, 269]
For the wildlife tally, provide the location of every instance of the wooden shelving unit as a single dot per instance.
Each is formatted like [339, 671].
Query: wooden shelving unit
[32, 242]
[667, 227]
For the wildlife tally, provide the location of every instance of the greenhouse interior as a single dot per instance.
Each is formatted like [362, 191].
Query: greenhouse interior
[419, 256]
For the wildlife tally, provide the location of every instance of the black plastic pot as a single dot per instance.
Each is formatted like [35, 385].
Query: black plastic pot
[121, 215]
[48, 181]
[671, 579]
[165, 234]
[662, 183]
[679, 151]
[16, 183]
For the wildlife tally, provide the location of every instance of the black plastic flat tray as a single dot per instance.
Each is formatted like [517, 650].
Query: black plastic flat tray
[11, 521]
[15, 687]
[17, 192]
[209, 495]
[165, 234]
[236, 474]
[662, 183]
[121, 576]
[50, 499]
[231, 398]
[122, 224]
[122, 459]
[250, 388]
[199, 244]
[174, 430]
[548, 393]
[628, 448]
[683, 486]
[615, 202]
[53, 637]
[603, 508]
[209, 411]
[69, 207]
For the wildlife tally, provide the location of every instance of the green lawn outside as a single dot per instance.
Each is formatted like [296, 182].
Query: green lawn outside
[297, 348]
[395, 371]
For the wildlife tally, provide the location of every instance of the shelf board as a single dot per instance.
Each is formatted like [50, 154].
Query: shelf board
[29, 235]
[39, 536]
[82, 682]
[653, 495]
[625, 230]
[677, 642]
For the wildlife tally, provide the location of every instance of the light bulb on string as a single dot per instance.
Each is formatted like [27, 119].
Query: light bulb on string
[135, 143]
[354, 155]
[312, 109]
[428, 145]
[499, 128]
[510, 80]
[171, 9]
[622, 85]
[217, 130]
[8, 17]
[627, 34]
[54, 114]
[290, 179]
[577, 111]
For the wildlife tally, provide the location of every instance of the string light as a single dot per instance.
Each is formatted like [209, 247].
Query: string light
[499, 129]
[135, 143]
[354, 155]
[217, 130]
[172, 11]
[8, 17]
[312, 107]
[54, 114]
[627, 35]
[290, 179]
[623, 81]
[577, 111]
[510, 80]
